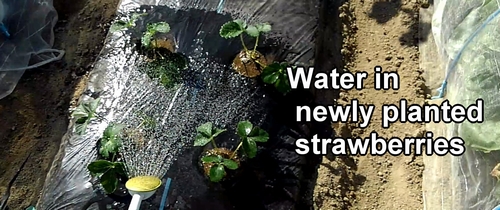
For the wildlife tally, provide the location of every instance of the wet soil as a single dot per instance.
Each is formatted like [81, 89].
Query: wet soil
[249, 64]
[223, 152]
[35, 116]
[164, 43]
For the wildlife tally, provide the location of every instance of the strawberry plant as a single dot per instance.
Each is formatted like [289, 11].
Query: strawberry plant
[216, 160]
[151, 30]
[162, 63]
[110, 141]
[218, 165]
[108, 173]
[108, 169]
[276, 75]
[126, 24]
[83, 114]
[248, 62]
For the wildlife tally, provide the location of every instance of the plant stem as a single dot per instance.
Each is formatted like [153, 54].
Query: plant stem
[243, 43]
[236, 150]
[158, 53]
[261, 65]
[141, 124]
[255, 46]
[105, 172]
[213, 143]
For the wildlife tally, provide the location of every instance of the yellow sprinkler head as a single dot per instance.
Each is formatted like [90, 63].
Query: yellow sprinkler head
[143, 183]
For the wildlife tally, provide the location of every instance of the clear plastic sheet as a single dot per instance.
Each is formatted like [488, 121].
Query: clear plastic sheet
[466, 36]
[30, 24]
[213, 93]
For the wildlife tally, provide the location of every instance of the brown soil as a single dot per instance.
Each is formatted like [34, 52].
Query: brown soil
[249, 66]
[164, 43]
[223, 152]
[35, 116]
[375, 33]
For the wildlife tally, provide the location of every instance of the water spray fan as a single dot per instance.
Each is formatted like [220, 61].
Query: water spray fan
[145, 164]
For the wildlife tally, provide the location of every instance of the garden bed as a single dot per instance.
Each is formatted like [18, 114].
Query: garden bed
[207, 90]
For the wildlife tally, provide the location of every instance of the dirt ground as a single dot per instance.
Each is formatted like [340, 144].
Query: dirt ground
[35, 116]
[375, 33]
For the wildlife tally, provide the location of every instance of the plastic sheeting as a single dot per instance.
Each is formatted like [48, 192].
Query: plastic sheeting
[466, 35]
[213, 92]
[30, 24]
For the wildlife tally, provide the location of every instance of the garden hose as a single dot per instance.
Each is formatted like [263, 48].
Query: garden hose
[165, 194]
[4, 30]
[454, 63]
[3, 11]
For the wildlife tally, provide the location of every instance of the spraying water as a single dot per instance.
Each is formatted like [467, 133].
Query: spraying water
[162, 121]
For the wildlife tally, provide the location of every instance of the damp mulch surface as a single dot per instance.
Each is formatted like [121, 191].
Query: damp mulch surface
[277, 178]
